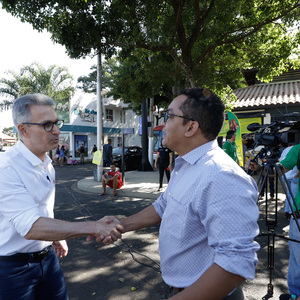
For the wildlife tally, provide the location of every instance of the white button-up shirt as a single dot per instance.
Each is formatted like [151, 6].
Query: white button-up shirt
[27, 192]
[209, 215]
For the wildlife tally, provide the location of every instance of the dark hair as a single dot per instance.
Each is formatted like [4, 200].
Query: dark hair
[229, 134]
[206, 108]
[113, 164]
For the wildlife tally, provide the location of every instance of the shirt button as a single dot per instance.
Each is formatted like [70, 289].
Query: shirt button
[176, 172]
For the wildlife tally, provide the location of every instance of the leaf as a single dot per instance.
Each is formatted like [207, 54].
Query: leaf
[133, 288]
[121, 280]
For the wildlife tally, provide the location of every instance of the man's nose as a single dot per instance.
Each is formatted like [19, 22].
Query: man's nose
[55, 129]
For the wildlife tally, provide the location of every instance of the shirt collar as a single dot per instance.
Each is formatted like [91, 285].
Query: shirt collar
[193, 156]
[32, 158]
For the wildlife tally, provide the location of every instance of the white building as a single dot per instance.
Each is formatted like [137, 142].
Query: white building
[82, 128]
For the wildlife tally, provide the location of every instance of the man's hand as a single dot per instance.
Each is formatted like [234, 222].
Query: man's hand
[109, 230]
[61, 248]
[253, 166]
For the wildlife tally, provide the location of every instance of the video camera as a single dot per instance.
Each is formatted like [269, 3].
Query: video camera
[275, 135]
[271, 135]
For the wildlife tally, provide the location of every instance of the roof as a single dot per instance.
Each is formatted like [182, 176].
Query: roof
[5, 136]
[266, 94]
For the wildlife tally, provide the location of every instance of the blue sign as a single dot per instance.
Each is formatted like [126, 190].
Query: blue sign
[128, 130]
[140, 125]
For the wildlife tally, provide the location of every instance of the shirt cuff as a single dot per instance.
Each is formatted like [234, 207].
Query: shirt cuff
[235, 264]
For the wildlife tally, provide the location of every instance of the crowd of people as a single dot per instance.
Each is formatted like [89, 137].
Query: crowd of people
[203, 253]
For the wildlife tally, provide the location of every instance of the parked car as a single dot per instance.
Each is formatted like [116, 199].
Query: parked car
[132, 157]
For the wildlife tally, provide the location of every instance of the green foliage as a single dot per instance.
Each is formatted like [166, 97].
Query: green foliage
[89, 83]
[9, 131]
[55, 82]
[205, 43]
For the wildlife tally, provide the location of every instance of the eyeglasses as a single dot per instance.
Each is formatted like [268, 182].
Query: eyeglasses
[48, 126]
[167, 115]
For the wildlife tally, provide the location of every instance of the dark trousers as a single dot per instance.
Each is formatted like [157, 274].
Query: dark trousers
[236, 295]
[106, 163]
[162, 170]
[33, 280]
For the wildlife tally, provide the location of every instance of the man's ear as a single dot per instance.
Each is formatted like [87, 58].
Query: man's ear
[192, 128]
[23, 130]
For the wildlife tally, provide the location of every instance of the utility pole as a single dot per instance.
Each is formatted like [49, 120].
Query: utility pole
[99, 114]
[145, 165]
[151, 120]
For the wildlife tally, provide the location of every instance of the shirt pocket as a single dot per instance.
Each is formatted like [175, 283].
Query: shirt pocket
[174, 219]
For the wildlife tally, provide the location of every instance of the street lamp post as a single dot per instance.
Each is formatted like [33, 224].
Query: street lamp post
[99, 114]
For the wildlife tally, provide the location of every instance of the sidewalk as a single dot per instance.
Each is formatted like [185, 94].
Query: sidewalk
[136, 184]
[140, 185]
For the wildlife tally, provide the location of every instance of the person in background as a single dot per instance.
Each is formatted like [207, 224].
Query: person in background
[291, 161]
[203, 253]
[164, 158]
[62, 155]
[230, 146]
[292, 181]
[244, 142]
[94, 150]
[31, 240]
[57, 154]
[107, 154]
[270, 178]
[113, 179]
[81, 151]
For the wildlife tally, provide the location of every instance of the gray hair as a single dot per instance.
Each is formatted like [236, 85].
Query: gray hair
[21, 108]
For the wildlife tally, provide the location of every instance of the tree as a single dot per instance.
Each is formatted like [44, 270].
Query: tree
[209, 41]
[135, 78]
[55, 82]
[9, 131]
[89, 83]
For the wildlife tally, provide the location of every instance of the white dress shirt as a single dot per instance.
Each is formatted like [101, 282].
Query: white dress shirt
[209, 215]
[27, 192]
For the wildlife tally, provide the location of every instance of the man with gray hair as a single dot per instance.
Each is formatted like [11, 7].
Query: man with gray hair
[31, 240]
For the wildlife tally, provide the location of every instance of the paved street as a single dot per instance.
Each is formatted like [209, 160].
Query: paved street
[96, 271]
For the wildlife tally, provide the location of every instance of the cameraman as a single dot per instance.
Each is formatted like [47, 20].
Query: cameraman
[291, 160]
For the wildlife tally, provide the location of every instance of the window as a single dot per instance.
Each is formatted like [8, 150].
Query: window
[119, 141]
[109, 116]
[122, 116]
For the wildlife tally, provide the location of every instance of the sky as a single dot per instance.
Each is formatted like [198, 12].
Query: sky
[21, 45]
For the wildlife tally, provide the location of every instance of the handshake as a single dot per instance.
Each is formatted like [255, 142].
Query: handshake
[107, 230]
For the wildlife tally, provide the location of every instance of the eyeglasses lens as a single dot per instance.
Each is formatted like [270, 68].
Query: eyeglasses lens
[166, 117]
[49, 125]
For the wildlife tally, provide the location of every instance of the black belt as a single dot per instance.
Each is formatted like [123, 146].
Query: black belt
[28, 256]
[177, 290]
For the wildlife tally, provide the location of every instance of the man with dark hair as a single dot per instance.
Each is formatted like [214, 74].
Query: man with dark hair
[81, 151]
[31, 240]
[113, 179]
[107, 154]
[230, 146]
[164, 158]
[204, 253]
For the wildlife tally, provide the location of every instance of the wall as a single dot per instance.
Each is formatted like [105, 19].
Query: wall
[83, 109]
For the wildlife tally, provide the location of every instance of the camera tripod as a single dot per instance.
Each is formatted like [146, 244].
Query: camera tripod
[269, 168]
